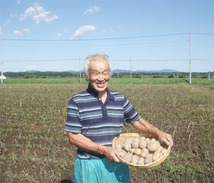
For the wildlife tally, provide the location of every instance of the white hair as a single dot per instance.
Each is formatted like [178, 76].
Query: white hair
[96, 56]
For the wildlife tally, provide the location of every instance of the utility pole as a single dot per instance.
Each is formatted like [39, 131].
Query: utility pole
[130, 68]
[2, 79]
[190, 60]
[80, 71]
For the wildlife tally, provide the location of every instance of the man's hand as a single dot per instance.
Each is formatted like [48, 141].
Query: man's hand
[110, 153]
[145, 127]
[165, 138]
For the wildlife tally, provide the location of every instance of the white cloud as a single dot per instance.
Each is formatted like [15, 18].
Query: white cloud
[21, 32]
[0, 31]
[59, 35]
[83, 30]
[25, 30]
[108, 31]
[9, 19]
[39, 14]
[92, 10]
[18, 1]
[17, 32]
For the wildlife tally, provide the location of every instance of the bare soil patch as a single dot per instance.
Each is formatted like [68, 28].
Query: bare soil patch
[35, 148]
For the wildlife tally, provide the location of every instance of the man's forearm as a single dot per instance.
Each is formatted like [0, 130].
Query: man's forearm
[83, 142]
[86, 144]
[144, 126]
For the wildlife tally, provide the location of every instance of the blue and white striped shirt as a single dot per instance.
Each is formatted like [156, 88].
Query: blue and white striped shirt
[86, 114]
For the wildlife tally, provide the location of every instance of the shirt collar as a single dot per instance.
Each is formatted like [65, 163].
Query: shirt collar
[92, 91]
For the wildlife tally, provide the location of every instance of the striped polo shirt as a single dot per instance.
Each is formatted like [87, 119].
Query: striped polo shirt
[98, 121]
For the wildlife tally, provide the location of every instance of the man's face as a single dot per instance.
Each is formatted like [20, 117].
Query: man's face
[99, 75]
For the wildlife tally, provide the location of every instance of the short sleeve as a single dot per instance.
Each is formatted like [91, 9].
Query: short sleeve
[73, 123]
[130, 114]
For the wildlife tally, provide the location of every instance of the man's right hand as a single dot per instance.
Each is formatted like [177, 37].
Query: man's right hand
[109, 152]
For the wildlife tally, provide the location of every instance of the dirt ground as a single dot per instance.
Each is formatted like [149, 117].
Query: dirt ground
[35, 148]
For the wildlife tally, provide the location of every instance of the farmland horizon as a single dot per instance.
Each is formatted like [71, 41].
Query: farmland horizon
[116, 71]
[35, 115]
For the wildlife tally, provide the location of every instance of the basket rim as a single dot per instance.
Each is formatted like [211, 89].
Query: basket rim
[150, 165]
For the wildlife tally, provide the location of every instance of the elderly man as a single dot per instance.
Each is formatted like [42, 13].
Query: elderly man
[94, 117]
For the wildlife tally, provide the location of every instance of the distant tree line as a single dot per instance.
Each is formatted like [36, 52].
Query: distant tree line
[41, 74]
[116, 75]
[162, 75]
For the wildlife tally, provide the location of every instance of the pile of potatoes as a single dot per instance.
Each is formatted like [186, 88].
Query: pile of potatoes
[140, 150]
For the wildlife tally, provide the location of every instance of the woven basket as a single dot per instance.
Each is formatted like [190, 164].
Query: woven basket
[150, 165]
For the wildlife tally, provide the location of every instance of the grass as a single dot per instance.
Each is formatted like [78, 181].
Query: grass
[34, 147]
[73, 80]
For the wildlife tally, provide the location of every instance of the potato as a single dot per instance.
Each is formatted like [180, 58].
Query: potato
[137, 152]
[153, 146]
[122, 153]
[135, 143]
[163, 151]
[119, 141]
[160, 149]
[143, 138]
[142, 144]
[144, 152]
[153, 139]
[147, 140]
[140, 150]
[156, 155]
[132, 151]
[119, 147]
[135, 159]
[140, 161]
[128, 141]
[127, 147]
[155, 158]
[148, 159]
[127, 157]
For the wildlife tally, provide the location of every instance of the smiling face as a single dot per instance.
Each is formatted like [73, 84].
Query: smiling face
[99, 75]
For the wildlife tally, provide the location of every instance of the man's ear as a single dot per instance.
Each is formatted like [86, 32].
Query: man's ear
[86, 77]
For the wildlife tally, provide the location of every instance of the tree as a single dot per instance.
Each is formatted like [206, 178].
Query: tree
[171, 76]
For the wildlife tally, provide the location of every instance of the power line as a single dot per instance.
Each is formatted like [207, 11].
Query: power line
[49, 60]
[146, 60]
[96, 39]
[201, 33]
[205, 59]
[106, 39]
[112, 60]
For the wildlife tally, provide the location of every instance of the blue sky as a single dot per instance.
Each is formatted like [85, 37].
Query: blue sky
[54, 35]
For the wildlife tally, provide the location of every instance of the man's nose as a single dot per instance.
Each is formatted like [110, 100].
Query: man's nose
[100, 77]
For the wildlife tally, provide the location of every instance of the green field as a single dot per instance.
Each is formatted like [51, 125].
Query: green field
[34, 147]
[73, 80]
